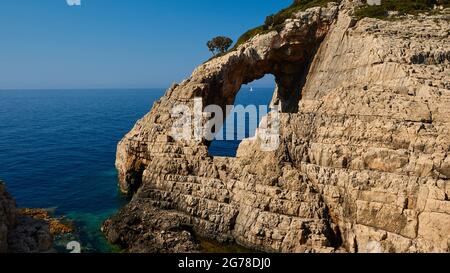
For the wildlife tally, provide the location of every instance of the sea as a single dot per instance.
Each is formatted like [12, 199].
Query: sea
[57, 150]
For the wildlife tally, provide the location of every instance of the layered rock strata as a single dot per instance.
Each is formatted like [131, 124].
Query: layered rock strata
[362, 164]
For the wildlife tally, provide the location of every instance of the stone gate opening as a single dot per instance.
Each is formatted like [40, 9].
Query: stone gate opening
[251, 104]
[287, 64]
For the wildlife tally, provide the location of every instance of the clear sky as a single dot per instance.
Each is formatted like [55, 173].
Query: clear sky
[116, 43]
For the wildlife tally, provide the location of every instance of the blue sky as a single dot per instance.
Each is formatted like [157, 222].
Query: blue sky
[116, 43]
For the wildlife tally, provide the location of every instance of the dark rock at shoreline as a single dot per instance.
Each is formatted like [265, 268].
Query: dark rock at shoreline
[21, 233]
[140, 228]
[30, 235]
[57, 226]
[7, 216]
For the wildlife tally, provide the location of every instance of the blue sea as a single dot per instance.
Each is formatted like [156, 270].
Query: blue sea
[57, 150]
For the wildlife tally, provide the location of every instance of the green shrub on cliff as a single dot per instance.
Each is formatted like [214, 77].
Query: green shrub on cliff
[219, 45]
[275, 20]
[401, 6]
[298, 5]
[248, 35]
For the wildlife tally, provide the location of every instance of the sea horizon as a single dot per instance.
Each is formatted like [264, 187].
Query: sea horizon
[113, 88]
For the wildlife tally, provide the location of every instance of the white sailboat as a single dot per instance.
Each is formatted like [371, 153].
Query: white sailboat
[251, 88]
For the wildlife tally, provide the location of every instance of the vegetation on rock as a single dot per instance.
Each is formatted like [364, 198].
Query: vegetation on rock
[219, 45]
[56, 226]
[402, 7]
[275, 20]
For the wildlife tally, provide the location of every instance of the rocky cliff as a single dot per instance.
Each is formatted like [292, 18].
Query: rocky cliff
[7, 217]
[362, 163]
[20, 233]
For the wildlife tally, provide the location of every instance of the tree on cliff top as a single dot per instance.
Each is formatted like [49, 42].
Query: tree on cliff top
[219, 45]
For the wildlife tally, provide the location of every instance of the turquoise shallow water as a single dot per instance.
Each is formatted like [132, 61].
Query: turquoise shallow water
[57, 150]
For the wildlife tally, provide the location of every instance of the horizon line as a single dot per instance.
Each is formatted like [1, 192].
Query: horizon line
[99, 88]
[81, 88]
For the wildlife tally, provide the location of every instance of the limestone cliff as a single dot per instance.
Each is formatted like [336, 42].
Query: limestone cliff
[363, 159]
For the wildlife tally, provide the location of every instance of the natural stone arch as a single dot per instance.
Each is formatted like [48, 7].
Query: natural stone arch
[168, 174]
[284, 56]
[365, 158]
[286, 53]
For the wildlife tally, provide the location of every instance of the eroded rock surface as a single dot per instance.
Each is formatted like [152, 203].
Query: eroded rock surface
[142, 228]
[363, 163]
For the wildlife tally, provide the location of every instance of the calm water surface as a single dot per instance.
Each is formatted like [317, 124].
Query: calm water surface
[57, 150]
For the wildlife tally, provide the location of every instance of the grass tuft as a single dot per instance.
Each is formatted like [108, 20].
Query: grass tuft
[403, 7]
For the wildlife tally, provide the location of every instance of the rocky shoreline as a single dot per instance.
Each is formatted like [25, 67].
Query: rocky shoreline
[27, 230]
[140, 228]
[363, 161]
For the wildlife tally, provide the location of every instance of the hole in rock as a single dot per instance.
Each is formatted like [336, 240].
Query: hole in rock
[250, 106]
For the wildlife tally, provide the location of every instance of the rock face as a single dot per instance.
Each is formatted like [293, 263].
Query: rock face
[7, 216]
[141, 228]
[362, 164]
[18, 233]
